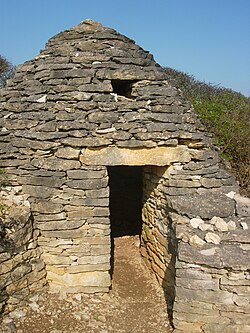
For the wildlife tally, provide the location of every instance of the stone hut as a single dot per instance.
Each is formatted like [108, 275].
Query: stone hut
[96, 143]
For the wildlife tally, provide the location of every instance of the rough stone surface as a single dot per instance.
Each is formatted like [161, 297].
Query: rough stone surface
[21, 268]
[92, 100]
[159, 156]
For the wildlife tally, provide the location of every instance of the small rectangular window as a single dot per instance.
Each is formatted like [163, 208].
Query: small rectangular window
[123, 87]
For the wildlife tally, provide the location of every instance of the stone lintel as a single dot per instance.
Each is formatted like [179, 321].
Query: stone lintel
[111, 156]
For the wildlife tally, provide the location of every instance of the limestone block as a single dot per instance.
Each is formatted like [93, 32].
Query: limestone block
[101, 193]
[99, 220]
[51, 181]
[237, 318]
[196, 241]
[87, 184]
[78, 250]
[195, 317]
[230, 255]
[68, 153]
[195, 222]
[101, 212]
[212, 238]
[16, 286]
[210, 182]
[41, 192]
[225, 328]
[86, 174]
[242, 205]
[51, 259]
[97, 249]
[211, 284]
[87, 279]
[203, 205]
[41, 145]
[193, 274]
[53, 163]
[61, 225]
[196, 307]
[65, 234]
[74, 212]
[7, 266]
[20, 271]
[231, 225]
[77, 289]
[92, 240]
[103, 117]
[4, 256]
[219, 224]
[187, 327]
[112, 155]
[94, 260]
[207, 296]
[35, 276]
[96, 202]
[132, 144]
[87, 142]
[88, 268]
[244, 225]
[47, 207]
[183, 183]
[205, 227]
[50, 217]
[211, 258]
[242, 300]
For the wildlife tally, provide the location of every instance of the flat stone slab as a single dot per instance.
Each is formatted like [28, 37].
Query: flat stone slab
[111, 156]
[204, 206]
[217, 256]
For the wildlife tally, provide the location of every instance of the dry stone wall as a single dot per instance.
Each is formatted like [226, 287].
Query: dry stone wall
[158, 242]
[212, 263]
[195, 239]
[93, 99]
[22, 271]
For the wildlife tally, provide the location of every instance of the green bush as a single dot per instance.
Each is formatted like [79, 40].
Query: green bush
[226, 114]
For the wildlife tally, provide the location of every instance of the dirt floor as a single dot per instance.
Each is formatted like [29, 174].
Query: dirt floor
[135, 304]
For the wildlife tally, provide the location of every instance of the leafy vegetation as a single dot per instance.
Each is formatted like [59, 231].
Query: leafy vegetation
[6, 71]
[226, 114]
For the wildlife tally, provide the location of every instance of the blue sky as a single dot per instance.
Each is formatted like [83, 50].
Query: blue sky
[209, 39]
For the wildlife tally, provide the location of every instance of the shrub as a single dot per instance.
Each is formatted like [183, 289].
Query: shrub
[226, 114]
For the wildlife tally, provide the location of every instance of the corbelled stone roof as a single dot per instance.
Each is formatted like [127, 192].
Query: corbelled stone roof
[91, 86]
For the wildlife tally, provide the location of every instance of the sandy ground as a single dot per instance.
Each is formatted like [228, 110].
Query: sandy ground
[135, 304]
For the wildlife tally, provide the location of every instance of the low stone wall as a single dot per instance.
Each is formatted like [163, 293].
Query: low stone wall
[158, 244]
[73, 220]
[21, 268]
[212, 227]
[196, 240]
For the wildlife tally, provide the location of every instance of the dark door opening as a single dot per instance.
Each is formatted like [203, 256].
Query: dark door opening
[125, 184]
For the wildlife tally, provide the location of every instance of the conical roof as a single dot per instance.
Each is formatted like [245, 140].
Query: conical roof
[92, 87]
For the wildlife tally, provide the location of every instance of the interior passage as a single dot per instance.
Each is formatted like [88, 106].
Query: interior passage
[125, 184]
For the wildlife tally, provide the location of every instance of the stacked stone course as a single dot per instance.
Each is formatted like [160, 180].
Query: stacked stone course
[22, 271]
[94, 99]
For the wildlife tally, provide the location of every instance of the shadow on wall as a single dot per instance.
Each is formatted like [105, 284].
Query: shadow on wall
[169, 279]
[158, 240]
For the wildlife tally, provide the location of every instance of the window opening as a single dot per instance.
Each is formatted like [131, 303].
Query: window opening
[123, 87]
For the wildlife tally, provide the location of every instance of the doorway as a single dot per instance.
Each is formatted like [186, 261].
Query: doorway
[125, 183]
